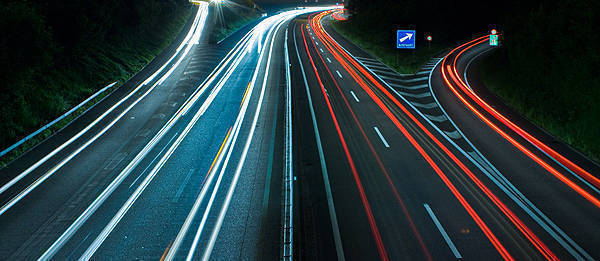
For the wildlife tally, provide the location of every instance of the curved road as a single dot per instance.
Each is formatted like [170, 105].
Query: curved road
[288, 141]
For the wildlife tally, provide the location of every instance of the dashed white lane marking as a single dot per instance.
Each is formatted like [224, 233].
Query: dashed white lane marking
[339, 74]
[354, 95]
[329, 60]
[381, 137]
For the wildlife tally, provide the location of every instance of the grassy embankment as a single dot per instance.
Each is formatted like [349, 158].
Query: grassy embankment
[54, 54]
[231, 18]
[378, 44]
[552, 79]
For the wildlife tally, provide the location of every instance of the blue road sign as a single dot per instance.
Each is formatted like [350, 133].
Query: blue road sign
[493, 40]
[405, 39]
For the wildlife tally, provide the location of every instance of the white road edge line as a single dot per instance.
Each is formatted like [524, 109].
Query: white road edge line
[354, 96]
[381, 137]
[332, 215]
[443, 232]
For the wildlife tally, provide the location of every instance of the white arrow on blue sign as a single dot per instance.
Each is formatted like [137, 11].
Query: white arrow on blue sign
[405, 39]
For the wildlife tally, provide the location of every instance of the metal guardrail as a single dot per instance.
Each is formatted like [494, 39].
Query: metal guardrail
[45, 127]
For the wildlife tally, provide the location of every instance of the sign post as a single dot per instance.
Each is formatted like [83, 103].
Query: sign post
[405, 39]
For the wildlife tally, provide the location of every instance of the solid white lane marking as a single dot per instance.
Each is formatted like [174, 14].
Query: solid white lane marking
[381, 137]
[354, 95]
[339, 74]
[329, 60]
[443, 232]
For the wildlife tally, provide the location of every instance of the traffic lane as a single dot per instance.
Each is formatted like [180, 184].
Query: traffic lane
[252, 226]
[350, 212]
[94, 167]
[313, 234]
[474, 75]
[235, 90]
[514, 240]
[374, 117]
[169, 197]
[370, 115]
[81, 196]
[571, 212]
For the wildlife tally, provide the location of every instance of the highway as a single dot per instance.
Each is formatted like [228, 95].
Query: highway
[179, 165]
[287, 141]
[412, 172]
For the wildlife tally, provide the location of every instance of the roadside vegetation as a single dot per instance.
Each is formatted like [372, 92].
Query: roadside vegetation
[373, 24]
[377, 44]
[230, 17]
[547, 70]
[56, 53]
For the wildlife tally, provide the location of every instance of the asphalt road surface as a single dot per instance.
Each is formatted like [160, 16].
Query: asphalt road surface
[182, 162]
[414, 173]
[287, 141]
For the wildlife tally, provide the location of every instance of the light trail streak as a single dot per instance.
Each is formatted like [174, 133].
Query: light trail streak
[367, 206]
[379, 162]
[57, 245]
[269, 22]
[53, 170]
[283, 17]
[116, 219]
[535, 241]
[455, 78]
[330, 204]
[491, 172]
[538, 144]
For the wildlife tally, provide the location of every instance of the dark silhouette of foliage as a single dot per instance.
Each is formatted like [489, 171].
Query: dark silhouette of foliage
[54, 53]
